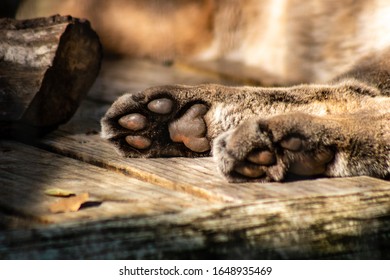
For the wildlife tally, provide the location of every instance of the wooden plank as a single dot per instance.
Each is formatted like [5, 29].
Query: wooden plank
[233, 71]
[194, 176]
[353, 226]
[131, 75]
[26, 172]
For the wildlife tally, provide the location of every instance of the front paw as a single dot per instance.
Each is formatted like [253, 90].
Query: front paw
[266, 150]
[158, 122]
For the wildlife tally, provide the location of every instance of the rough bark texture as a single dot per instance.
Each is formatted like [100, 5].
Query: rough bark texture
[47, 66]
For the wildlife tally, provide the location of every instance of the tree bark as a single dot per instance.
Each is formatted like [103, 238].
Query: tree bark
[47, 66]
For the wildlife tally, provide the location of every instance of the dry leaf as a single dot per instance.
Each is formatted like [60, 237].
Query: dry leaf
[70, 204]
[59, 192]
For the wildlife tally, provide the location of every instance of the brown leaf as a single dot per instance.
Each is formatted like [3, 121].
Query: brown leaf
[59, 192]
[70, 204]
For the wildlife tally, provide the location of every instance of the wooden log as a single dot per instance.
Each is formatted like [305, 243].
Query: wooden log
[47, 66]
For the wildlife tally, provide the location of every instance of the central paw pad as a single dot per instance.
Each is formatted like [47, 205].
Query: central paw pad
[161, 106]
[133, 122]
[190, 129]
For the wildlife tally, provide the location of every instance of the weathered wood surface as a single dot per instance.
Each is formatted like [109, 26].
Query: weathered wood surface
[134, 75]
[111, 194]
[176, 207]
[47, 66]
[345, 226]
[233, 71]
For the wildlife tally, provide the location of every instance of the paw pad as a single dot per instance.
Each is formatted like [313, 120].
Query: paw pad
[292, 144]
[134, 122]
[161, 106]
[138, 142]
[191, 129]
[250, 171]
[262, 157]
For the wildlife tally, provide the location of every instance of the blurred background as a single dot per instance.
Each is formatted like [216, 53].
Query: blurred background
[157, 29]
[8, 8]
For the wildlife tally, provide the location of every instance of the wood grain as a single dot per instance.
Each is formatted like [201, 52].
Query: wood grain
[134, 75]
[26, 172]
[344, 226]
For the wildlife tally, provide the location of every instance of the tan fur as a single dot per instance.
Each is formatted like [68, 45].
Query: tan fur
[294, 40]
[162, 30]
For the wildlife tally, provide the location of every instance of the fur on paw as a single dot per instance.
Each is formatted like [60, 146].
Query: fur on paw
[266, 150]
[156, 123]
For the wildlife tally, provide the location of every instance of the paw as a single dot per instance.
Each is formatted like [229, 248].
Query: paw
[157, 123]
[265, 151]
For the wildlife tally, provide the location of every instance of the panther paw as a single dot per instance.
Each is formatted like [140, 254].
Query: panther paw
[155, 123]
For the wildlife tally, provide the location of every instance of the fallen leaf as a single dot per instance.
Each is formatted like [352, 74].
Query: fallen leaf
[59, 192]
[70, 204]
